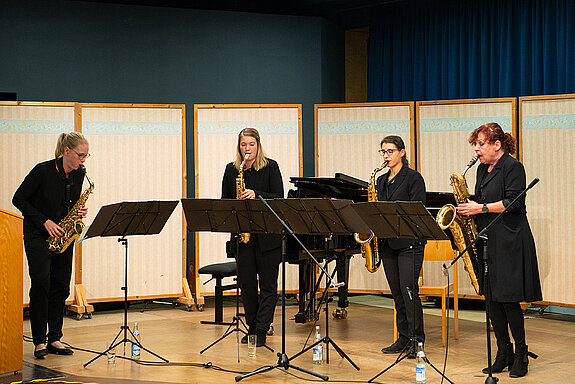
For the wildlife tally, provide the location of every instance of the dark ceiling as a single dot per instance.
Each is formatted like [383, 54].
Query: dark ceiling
[346, 13]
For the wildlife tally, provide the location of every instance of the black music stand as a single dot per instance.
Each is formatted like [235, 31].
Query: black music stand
[234, 216]
[396, 220]
[129, 219]
[309, 216]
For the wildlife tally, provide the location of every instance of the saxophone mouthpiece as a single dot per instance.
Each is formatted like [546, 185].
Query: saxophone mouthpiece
[473, 161]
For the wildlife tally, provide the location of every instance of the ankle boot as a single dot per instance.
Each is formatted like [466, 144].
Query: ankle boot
[503, 359]
[521, 362]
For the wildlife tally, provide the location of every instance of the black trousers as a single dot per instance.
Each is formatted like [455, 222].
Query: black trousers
[255, 266]
[402, 269]
[50, 275]
[506, 316]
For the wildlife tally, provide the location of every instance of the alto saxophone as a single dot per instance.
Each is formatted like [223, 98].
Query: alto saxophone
[462, 227]
[240, 188]
[368, 241]
[71, 224]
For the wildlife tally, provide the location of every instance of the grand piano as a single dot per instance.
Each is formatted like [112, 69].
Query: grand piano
[338, 248]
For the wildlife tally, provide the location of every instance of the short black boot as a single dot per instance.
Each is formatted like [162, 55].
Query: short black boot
[521, 362]
[503, 359]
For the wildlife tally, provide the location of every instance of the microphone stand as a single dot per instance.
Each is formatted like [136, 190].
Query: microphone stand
[483, 236]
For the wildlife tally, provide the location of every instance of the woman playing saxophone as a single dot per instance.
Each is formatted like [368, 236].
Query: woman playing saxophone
[402, 258]
[45, 196]
[257, 260]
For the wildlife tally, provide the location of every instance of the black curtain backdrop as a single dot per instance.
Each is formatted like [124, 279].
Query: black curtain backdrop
[429, 50]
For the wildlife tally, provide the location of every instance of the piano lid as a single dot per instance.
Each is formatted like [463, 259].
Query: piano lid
[339, 187]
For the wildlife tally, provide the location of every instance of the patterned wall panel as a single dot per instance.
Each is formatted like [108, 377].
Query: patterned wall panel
[547, 132]
[28, 135]
[137, 155]
[216, 130]
[347, 140]
[443, 128]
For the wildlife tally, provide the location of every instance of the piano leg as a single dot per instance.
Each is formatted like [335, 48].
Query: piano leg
[342, 269]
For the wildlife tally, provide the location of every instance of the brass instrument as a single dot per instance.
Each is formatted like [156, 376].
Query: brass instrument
[240, 188]
[368, 241]
[462, 227]
[71, 224]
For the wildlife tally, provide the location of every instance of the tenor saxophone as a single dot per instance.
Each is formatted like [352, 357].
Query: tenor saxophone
[240, 188]
[462, 227]
[71, 224]
[368, 241]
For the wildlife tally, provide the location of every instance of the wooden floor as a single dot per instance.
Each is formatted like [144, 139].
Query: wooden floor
[178, 336]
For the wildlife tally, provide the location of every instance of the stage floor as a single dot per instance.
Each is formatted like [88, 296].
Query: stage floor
[178, 336]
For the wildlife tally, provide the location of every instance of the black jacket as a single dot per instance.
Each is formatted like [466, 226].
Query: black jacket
[513, 269]
[408, 185]
[267, 183]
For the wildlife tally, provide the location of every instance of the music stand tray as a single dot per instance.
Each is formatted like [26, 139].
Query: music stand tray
[128, 219]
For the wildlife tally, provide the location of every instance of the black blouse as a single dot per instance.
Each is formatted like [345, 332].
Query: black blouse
[46, 193]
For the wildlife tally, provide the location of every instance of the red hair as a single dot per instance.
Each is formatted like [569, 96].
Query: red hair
[493, 132]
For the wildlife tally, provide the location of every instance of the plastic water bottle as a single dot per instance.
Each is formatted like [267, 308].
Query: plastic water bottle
[420, 365]
[318, 349]
[136, 343]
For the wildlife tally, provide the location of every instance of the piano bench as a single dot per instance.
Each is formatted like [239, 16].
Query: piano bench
[218, 272]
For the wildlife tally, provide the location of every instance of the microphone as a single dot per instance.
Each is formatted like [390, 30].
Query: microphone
[535, 181]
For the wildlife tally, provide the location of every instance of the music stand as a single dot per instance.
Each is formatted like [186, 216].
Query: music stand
[128, 219]
[396, 220]
[229, 215]
[309, 216]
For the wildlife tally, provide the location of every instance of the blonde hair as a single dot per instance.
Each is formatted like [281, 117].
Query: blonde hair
[261, 160]
[70, 140]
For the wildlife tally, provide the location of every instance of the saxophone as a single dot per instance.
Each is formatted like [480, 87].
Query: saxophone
[240, 188]
[462, 227]
[71, 224]
[368, 241]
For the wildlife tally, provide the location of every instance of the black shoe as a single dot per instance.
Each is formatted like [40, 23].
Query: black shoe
[59, 351]
[411, 352]
[261, 339]
[396, 347]
[244, 339]
[519, 368]
[504, 358]
[40, 353]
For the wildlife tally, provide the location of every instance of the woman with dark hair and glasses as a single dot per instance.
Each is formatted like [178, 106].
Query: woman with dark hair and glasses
[402, 258]
[44, 198]
[258, 259]
[513, 269]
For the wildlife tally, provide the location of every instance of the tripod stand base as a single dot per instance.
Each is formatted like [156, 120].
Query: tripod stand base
[491, 380]
[283, 362]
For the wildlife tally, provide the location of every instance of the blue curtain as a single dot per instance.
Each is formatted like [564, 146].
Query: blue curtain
[438, 50]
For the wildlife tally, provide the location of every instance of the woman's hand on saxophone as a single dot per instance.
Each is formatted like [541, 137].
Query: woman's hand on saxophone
[248, 194]
[469, 208]
[53, 228]
[83, 212]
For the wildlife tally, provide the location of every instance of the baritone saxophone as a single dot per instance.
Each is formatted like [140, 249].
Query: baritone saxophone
[462, 227]
[71, 224]
[240, 188]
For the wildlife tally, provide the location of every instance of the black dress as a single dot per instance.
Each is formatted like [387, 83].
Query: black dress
[258, 260]
[401, 262]
[513, 269]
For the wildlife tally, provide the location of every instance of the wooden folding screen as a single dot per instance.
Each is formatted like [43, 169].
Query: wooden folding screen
[138, 153]
[216, 129]
[547, 139]
[443, 128]
[28, 134]
[348, 137]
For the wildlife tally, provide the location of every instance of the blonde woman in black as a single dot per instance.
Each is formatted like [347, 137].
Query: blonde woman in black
[258, 260]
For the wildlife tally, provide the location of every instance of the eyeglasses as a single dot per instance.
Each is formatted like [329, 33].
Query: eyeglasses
[81, 156]
[382, 152]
